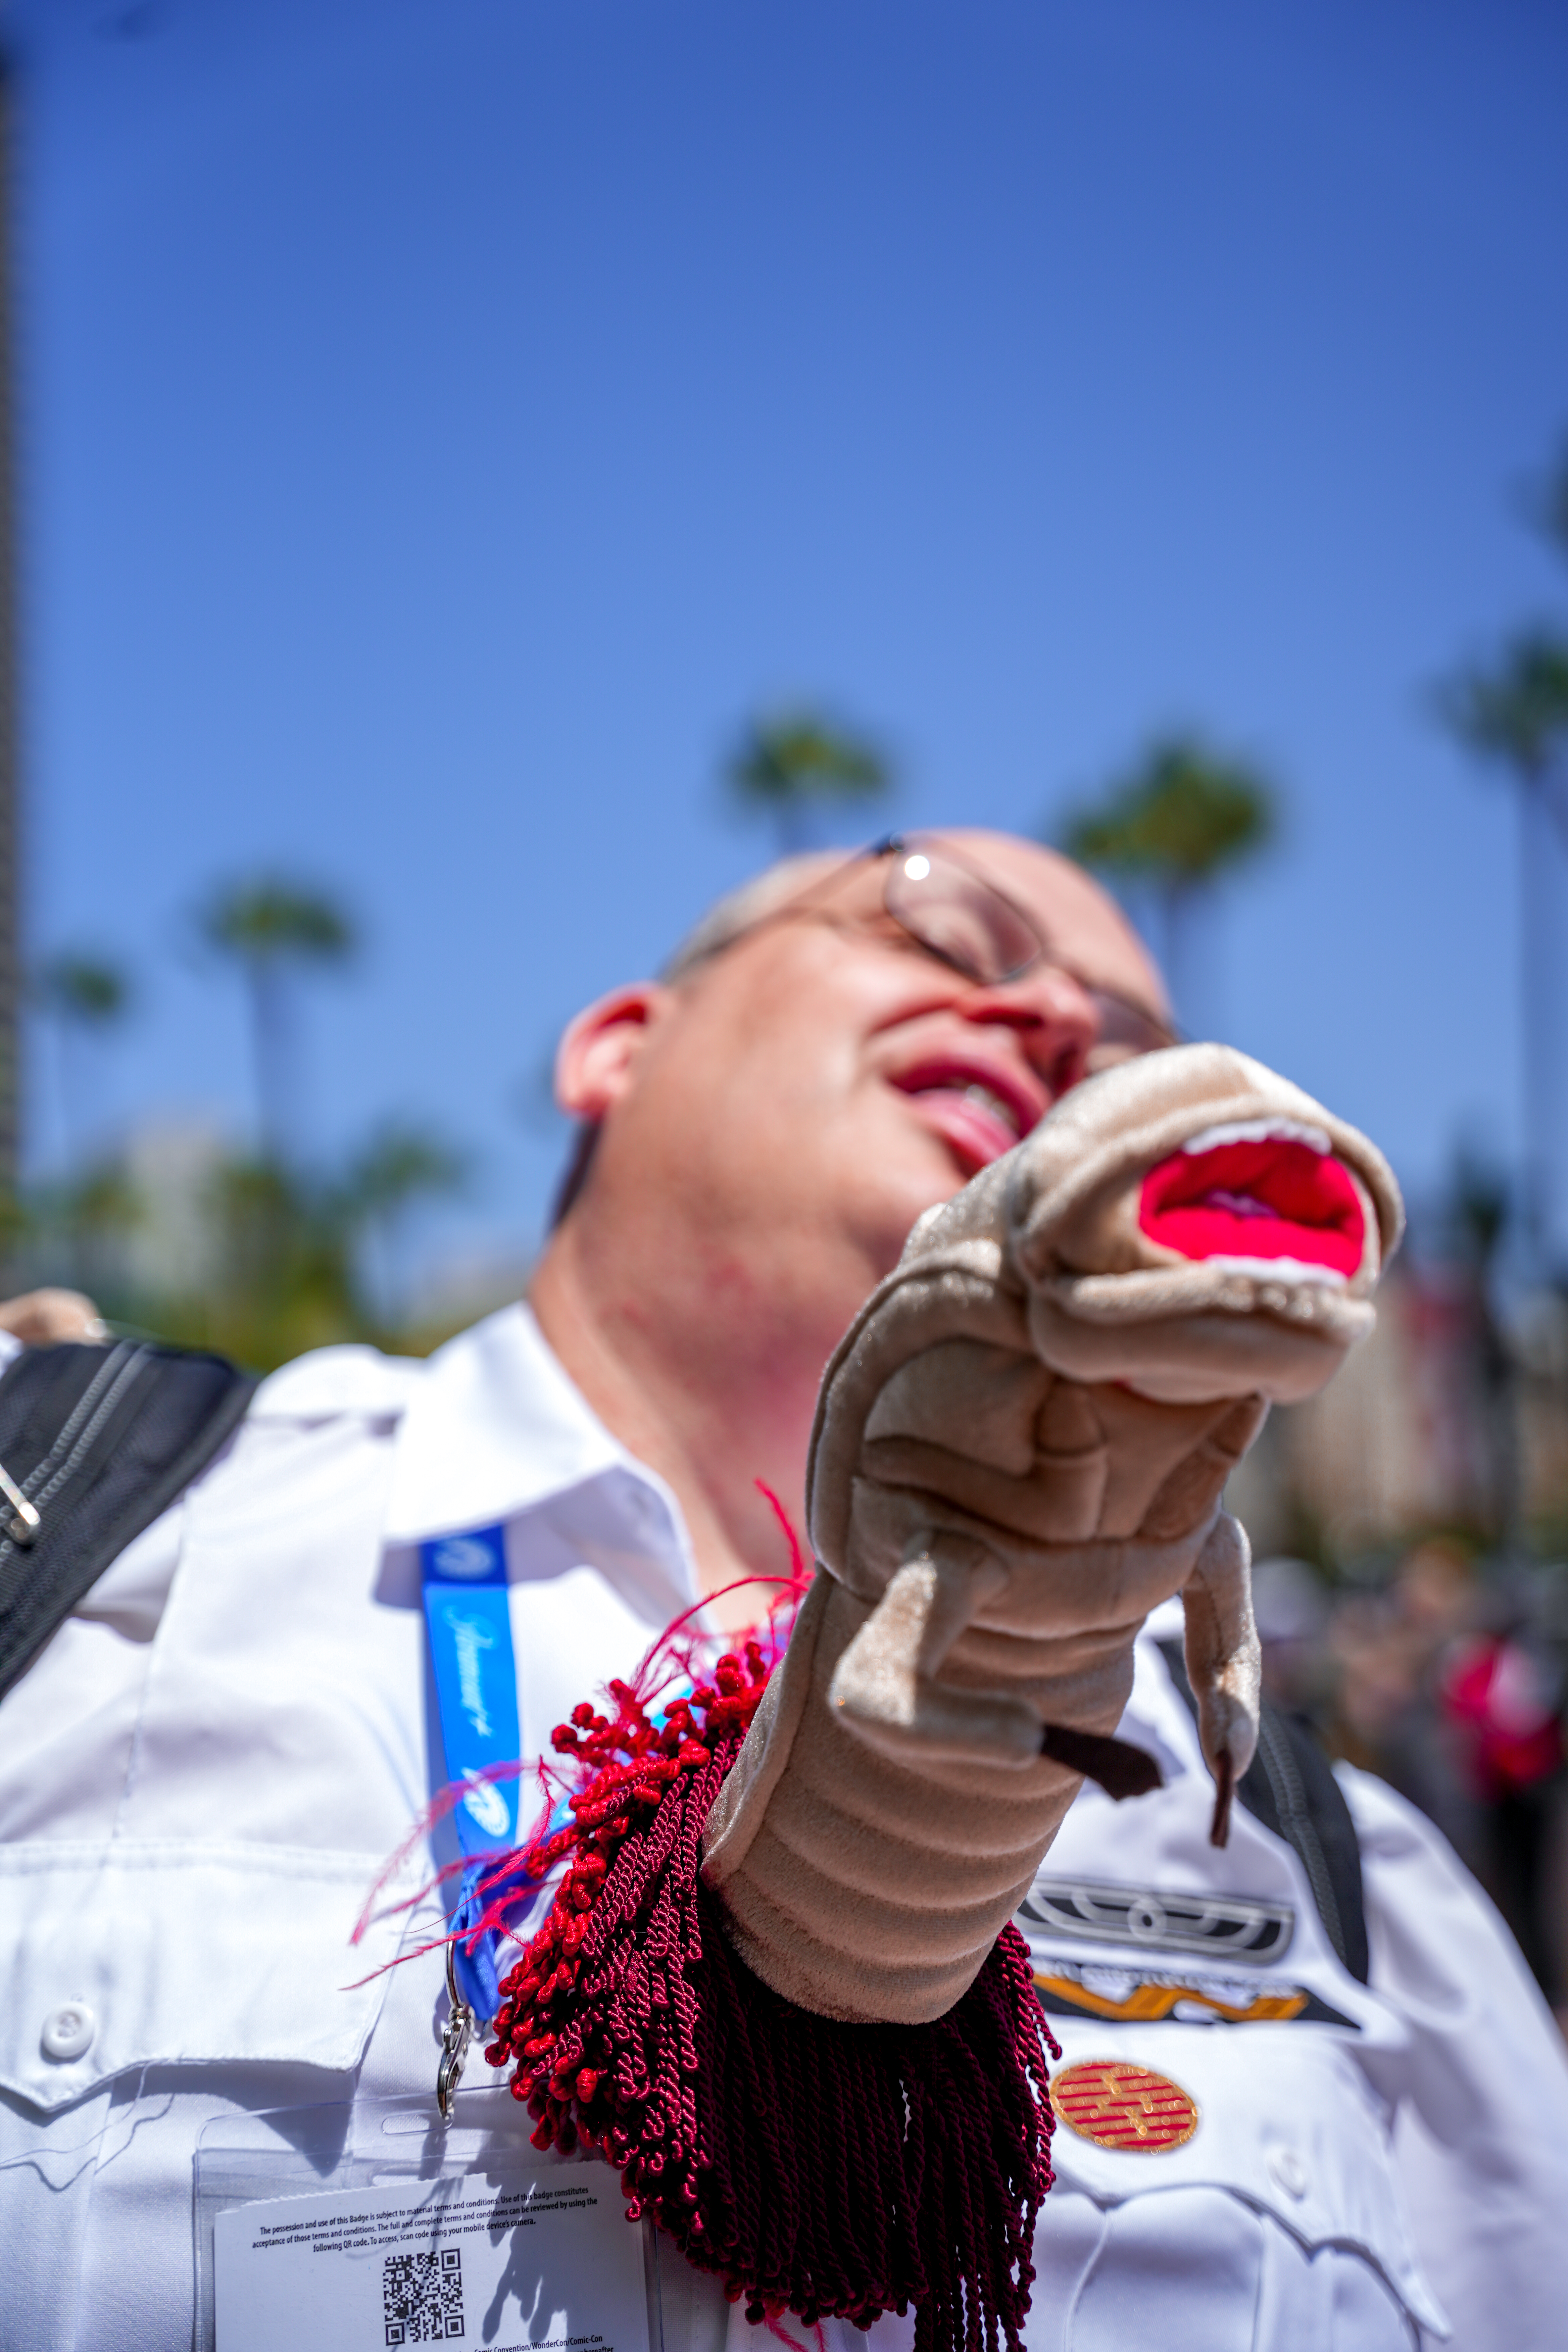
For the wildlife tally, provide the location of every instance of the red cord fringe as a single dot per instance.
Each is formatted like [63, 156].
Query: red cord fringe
[815, 2166]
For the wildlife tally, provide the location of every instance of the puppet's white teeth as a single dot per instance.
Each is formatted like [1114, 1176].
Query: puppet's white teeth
[1279, 1269]
[1260, 1130]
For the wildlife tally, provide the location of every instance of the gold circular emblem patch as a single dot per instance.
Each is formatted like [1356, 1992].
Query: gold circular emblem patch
[1117, 2105]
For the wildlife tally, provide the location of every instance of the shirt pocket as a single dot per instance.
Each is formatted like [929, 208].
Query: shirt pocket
[1286, 2122]
[151, 1953]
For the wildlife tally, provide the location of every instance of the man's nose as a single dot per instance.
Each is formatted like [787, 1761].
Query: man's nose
[1053, 1016]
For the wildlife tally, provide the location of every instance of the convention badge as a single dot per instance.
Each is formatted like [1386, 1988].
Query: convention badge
[339, 2230]
[1125, 2108]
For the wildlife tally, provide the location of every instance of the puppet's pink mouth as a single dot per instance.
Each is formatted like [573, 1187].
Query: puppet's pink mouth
[1255, 1195]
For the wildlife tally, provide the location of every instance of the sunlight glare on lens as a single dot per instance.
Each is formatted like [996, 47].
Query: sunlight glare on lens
[917, 867]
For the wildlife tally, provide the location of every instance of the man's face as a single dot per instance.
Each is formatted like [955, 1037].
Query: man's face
[822, 1080]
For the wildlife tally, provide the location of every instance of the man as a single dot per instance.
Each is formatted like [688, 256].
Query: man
[206, 1768]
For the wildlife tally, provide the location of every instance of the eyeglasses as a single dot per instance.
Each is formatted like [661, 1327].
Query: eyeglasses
[952, 910]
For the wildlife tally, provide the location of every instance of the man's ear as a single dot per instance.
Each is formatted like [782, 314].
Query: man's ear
[594, 1059]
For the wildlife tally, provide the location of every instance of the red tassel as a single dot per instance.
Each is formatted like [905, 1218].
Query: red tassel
[814, 2166]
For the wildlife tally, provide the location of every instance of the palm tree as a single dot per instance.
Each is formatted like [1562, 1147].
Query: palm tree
[83, 996]
[398, 1165]
[1514, 715]
[1179, 819]
[272, 926]
[795, 763]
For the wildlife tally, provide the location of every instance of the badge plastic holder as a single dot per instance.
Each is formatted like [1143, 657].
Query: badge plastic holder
[248, 2159]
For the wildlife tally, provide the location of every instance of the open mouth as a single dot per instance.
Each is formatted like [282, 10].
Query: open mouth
[974, 1117]
[1265, 1196]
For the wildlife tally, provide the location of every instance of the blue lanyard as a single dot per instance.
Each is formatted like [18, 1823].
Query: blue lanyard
[468, 1619]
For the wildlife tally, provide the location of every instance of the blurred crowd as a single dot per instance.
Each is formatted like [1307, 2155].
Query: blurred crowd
[1447, 1678]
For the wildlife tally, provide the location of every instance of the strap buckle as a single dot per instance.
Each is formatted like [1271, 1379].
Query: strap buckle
[23, 1522]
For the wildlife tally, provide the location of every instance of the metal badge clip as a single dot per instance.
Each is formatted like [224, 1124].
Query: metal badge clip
[455, 2036]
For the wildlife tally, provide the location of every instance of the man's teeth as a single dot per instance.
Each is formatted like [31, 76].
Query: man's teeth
[986, 1100]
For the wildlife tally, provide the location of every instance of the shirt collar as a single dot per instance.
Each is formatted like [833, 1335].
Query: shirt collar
[496, 1428]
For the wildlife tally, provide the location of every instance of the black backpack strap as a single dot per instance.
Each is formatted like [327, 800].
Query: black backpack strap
[97, 1441]
[1291, 1788]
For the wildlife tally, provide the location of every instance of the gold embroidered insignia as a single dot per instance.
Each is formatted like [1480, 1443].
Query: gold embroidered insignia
[1117, 2105]
[1152, 1998]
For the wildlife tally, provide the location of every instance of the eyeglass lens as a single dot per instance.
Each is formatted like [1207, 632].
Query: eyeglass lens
[958, 917]
[971, 926]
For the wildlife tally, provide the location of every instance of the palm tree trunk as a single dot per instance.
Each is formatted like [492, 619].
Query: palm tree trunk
[73, 1124]
[1193, 958]
[792, 823]
[271, 1046]
[1186, 908]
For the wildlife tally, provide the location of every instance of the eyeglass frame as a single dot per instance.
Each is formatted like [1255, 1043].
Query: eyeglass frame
[890, 845]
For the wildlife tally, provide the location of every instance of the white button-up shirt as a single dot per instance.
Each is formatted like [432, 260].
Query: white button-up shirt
[1386, 2166]
[206, 1770]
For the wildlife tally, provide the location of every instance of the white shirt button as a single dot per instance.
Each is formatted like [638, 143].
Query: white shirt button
[1288, 2170]
[69, 2031]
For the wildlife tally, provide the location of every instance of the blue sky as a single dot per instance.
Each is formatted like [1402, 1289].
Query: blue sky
[443, 420]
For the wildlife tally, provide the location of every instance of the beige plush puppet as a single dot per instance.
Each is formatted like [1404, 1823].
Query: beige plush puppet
[1019, 1452]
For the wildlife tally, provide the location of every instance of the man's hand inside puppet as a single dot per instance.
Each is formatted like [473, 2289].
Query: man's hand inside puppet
[1019, 1452]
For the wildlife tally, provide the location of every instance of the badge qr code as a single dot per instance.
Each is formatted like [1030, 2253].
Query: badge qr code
[489, 2261]
[421, 2296]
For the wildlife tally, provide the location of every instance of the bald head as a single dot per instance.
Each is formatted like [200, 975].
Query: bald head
[1064, 903]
